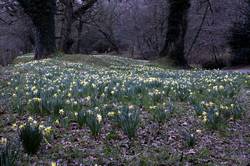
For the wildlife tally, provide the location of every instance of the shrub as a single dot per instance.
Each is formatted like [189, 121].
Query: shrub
[31, 138]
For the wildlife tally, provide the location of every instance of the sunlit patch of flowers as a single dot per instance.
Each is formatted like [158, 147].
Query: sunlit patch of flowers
[57, 88]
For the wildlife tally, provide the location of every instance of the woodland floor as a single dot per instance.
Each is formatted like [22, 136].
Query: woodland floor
[154, 144]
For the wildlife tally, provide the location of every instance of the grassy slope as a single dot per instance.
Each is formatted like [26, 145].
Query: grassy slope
[230, 147]
[95, 60]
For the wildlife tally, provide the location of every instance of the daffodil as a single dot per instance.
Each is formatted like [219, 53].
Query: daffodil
[204, 113]
[111, 114]
[37, 99]
[99, 118]
[221, 87]
[88, 98]
[57, 122]
[61, 112]
[53, 163]
[48, 131]
[198, 131]
[34, 122]
[21, 126]
[41, 127]
[30, 119]
[14, 126]
[204, 120]
[3, 141]
[131, 107]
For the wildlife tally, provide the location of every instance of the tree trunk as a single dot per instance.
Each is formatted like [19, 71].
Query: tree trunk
[45, 37]
[79, 40]
[177, 26]
[70, 17]
[42, 14]
[66, 41]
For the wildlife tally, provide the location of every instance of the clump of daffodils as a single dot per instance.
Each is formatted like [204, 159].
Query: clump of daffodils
[45, 130]
[211, 115]
[35, 105]
[94, 122]
[31, 136]
[128, 119]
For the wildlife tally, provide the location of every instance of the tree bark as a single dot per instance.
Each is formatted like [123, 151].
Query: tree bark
[45, 37]
[177, 26]
[42, 14]
[79, 40]
[66, 42]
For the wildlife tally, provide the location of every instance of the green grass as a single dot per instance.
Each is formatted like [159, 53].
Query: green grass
[24, 58]
[95, 60]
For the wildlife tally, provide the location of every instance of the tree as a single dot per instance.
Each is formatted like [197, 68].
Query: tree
[42, 14]
[70, 17]
[15, 31]
[239, 40]
[106, 17]
[175, 37]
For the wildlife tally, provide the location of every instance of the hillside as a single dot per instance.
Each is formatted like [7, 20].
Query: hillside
[106, 110]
